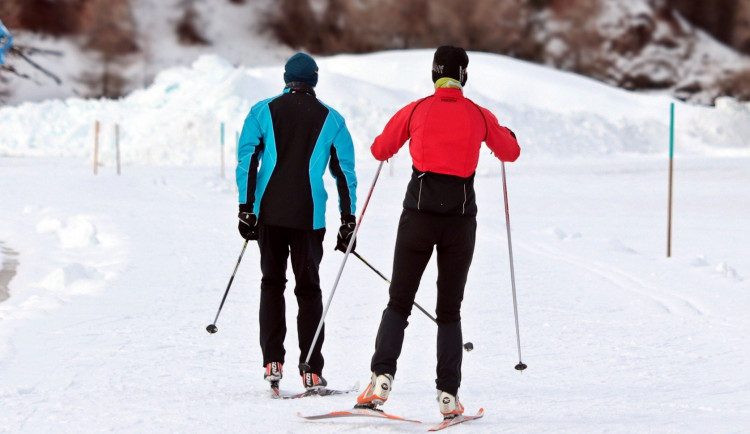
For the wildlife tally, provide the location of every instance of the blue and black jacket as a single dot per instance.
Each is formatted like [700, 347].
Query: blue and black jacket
[286, 143]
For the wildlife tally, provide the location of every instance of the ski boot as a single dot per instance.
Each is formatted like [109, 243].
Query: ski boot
[313, 381]
[376, 392]
[450, 406]
[273, 374]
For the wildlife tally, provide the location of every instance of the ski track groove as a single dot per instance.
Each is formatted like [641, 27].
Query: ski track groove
[670, 303]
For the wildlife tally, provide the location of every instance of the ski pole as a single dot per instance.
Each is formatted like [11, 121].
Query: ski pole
[467, 346]
[211, 328]
[520, 366]
[44, 71]
[304, 367]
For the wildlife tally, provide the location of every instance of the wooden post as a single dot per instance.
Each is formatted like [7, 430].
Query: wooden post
[117, 146]
[671, 171]
[222, 149]
[96, 146]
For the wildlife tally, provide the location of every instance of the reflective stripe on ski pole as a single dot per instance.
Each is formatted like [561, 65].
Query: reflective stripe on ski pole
[520, 366]
[304, 367]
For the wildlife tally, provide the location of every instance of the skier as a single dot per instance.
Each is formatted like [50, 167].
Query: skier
[8, 48]
[445, 132]
[6, 40]
[285, 145]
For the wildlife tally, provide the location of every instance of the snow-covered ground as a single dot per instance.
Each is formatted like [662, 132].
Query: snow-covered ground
[118, 276]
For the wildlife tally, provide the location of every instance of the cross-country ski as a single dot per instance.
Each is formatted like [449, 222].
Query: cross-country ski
[276, 393]
[456, 420]
[358, 412]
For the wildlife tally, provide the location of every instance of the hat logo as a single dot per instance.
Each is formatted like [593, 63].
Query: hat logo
[438, 68]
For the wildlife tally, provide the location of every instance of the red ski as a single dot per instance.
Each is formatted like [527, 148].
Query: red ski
[358, 412]
[456, 420]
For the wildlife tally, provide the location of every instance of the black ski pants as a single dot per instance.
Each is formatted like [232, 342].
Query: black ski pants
[453, 236]
[306, 249]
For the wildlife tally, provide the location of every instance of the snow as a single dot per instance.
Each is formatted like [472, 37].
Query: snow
[671, 52]
[117, 276]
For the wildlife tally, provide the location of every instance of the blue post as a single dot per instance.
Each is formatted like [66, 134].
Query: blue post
[671, 171]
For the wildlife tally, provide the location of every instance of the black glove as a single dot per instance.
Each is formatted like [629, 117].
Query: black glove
[248, 225]
[348, 223]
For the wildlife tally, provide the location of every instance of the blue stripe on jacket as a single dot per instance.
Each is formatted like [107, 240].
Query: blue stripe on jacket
[334, 133]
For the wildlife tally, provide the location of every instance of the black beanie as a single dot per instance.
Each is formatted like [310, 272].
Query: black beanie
[450, 61]
[301, 68]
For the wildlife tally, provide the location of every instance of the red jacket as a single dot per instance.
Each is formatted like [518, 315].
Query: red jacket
[446, 131]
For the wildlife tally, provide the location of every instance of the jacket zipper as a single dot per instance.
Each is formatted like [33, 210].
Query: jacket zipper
[419, 198]
[463, 206]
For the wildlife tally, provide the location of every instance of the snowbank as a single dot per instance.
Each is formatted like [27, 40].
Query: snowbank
[177, 120]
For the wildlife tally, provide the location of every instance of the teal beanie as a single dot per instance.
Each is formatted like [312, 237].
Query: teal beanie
[301, 68]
